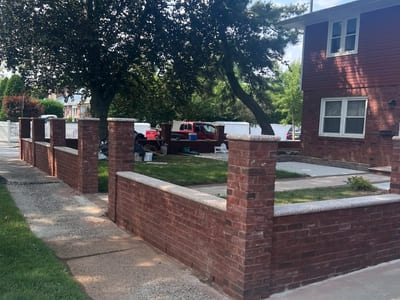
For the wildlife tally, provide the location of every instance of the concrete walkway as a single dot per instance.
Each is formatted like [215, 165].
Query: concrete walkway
[107, 261]
[113, 264]
[327, 177]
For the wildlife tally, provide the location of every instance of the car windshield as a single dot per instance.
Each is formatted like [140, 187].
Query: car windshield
[209, 128]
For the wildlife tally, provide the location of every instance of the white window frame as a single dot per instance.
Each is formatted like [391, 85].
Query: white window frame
[343, 117]
[342, 37]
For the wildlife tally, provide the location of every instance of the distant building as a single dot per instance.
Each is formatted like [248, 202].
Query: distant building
[75, 106]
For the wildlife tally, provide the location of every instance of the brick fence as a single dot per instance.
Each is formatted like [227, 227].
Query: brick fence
[245, 244]
[76, 167]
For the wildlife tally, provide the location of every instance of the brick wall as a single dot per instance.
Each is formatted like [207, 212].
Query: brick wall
[185, 229]
[44, 157]
[375, 149]
[26, 150]
[224, 240]
[77, 168]
[310, 247]
[372, 72]
[246, 245]
[66, 165]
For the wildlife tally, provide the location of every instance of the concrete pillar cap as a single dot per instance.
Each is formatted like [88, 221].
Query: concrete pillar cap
[121, 120]
[254, 138]
[88, 119]
[396, 138]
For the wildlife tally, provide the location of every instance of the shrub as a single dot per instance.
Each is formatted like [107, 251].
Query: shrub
[12, 107]
[15, 86]
[3, 116]
[359, 183]
[3, 85]
[52, 107]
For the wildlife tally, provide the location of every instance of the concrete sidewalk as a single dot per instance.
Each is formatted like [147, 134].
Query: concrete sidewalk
[107, 261]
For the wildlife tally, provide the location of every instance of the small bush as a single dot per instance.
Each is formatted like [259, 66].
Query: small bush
[52, 107]
[359, 183]
[3, 116]
[12, 107]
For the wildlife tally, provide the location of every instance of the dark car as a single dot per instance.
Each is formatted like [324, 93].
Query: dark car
[297, 134]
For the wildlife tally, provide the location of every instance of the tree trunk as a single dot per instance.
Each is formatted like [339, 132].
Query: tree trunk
[99, 109]
[247, 99]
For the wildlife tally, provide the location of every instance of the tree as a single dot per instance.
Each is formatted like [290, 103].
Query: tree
[288, 97]
[20, 106]
[15, 86]
[3, 85]
[235, 41]
[87, 44]
[52, 107]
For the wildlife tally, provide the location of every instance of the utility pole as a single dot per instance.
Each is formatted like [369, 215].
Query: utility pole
[311, 6]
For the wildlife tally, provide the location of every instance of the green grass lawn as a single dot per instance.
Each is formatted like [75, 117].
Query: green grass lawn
[28, 268]
[319, 194]
[182, 170]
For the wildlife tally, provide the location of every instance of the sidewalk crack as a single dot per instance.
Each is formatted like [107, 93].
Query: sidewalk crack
[97, 254]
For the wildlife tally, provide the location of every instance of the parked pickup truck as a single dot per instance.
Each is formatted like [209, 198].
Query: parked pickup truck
[200, 131]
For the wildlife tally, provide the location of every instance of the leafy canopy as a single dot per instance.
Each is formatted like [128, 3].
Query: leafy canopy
[287, 95]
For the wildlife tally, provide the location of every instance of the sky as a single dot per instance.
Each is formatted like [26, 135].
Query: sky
[293, 53]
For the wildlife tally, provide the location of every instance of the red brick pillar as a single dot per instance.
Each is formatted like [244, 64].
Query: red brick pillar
[57, 139]
[37, 135]
[395, 174]
[88, 149]
[250, 211]
[120, 156]
[220, 134]
[24, 132]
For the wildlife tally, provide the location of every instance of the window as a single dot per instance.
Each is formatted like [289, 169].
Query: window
[343, 37]
[343, 117]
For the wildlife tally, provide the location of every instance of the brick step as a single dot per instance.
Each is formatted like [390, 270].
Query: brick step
[385, 170]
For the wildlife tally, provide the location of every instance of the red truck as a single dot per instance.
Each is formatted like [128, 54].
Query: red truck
[195, 130]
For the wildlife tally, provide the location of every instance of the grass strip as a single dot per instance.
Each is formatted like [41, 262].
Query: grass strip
[182, 170]
[320, 194]
[28, 268]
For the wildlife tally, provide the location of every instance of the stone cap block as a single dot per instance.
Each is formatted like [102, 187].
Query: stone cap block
[254, 138]
[121, 120]
[328, 205]
[67, 150]
[45, 144]
[88, 119]
[180, 191]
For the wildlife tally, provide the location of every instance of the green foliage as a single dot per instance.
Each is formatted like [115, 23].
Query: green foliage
[29, 270]
[12, 107]
[85, 44]
[3, 85]
[146, 97]
[15, 86]
[52, 107]
[236, 42]
[3, 116]
[359, 183]
[69, 120]
[287, 96]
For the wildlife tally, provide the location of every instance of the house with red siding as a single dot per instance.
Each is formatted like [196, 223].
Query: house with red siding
[351, 81]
